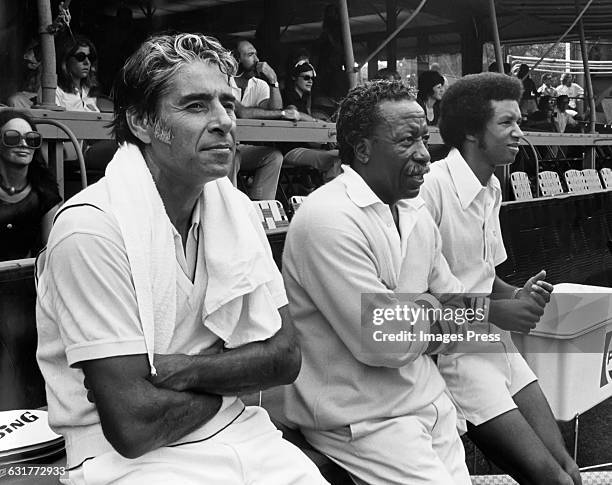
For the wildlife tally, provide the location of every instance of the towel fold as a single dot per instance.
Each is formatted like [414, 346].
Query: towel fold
[238, 305]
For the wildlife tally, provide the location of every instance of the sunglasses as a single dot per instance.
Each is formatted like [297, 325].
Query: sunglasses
[80, 57]
[308, 78]
[12, 139]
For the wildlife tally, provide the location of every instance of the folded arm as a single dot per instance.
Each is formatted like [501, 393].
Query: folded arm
[137, 416]
[252, 367]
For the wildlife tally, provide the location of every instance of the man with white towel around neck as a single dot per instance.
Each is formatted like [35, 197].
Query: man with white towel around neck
[158, 298]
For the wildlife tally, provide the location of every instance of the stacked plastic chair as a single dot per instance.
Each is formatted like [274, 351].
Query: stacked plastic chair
[575, 182]
[549, 183]
[606, 178]
[520, 186]
[591, 179]
[271, 214]
[296, 202]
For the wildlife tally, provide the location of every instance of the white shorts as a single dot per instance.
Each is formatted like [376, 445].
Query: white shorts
[249, 451]
[482, 384]
[418, 449]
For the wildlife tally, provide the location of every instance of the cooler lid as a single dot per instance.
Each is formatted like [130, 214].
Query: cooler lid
[575, 310]
[25, 429]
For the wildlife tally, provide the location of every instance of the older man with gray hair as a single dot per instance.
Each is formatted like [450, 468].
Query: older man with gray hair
[158, 298]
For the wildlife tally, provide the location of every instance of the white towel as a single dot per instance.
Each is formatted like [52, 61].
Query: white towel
[149, 243]
[238, 306]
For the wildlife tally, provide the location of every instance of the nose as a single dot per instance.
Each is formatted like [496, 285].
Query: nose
[221, 121]
[22, 142]
[516, 131]
[421, 154]
[255, 59]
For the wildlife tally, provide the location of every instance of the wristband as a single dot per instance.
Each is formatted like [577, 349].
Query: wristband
[273, 85]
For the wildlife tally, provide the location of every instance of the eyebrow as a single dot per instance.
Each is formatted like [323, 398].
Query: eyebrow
[206, 97]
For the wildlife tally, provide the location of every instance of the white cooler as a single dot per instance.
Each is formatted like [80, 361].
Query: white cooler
[570, 350]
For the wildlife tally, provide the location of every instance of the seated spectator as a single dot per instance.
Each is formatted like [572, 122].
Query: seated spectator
[76, 75]
[571, 89]
[431, 89]
[28, 193]
[298, 96]
[547, 89]
[388, 74]
[507, 68]
[158, 298]
[258, 97]
[562, 117]
[530, 93]
[541, 120]
[29, 93]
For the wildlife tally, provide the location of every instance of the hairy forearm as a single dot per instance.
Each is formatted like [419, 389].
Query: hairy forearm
[137, 416]
[275, 101]
[260, 114]
[254, 366]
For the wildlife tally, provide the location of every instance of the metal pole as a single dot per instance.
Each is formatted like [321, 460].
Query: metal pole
[587, 73]
[498, 51]
[395, 32]
[47, 45]
[349, 59]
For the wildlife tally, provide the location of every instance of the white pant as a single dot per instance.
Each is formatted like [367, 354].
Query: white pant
[249, 451]
[419, 449]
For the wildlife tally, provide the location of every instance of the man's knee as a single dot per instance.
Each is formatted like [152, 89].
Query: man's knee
[274, 158]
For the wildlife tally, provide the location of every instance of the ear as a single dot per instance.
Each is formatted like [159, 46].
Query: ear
[472, 138]
[362, 151]
[139, 127]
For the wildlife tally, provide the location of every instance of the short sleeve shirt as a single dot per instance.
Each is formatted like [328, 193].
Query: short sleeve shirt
[256, 91]
[468, 215]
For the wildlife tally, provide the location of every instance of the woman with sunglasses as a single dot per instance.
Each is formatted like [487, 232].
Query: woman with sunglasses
[28, 192]
[298, 96]
[76, 75]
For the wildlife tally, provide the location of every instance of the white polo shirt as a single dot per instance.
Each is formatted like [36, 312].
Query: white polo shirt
[256, 91]
[468, 215]
[573, 91]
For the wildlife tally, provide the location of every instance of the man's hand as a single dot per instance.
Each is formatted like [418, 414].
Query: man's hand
[519, 315]
[537, 289]
[291, 114]
[264, 69]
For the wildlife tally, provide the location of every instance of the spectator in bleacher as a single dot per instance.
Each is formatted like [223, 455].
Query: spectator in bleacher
[530, 92]
[541, 120]
[379, 411]
[571, 89]
[562, 118]
[387, 74]
[76, 75]
[547, 89]
[507, 68]
[29, 91]
[158, 298]
[431, 89]
[298, 96]
[329, 59]
[498, 398]
[28, 192]
[258, 96]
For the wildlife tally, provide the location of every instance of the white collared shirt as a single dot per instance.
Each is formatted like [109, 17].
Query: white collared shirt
[467, 215]
[256, 91]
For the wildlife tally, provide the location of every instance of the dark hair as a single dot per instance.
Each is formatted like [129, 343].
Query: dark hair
[387, 74]
[562, 98]
[546, 75]
[523, 71]
[427, 81]
[66, 50]
[148, 73]
[544, 103]
[359, 113]
[466, 106]
[38, 173]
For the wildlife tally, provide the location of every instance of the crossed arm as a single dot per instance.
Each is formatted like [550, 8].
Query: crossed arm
[140, 413]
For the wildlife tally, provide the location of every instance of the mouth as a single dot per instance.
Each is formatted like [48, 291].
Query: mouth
[225, 147]
[514, 147]
[22, 153]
